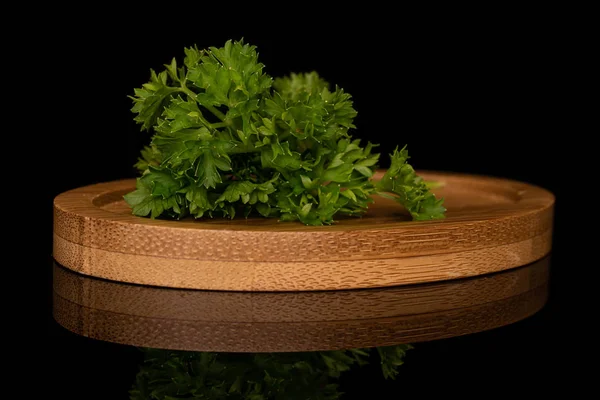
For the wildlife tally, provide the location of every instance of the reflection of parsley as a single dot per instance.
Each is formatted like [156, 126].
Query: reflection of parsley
[170, 375]
[228, 138]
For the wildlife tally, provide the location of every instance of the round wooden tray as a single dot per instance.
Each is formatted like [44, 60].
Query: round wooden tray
[491, 225]
[295, 321]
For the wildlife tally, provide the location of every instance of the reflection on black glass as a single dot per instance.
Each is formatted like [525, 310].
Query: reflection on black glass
[240, 345]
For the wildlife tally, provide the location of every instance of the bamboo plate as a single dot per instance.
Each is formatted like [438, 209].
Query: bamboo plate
[295, 321]
[492, 225]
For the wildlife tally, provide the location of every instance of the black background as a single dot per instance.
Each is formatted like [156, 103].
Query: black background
[466, 95]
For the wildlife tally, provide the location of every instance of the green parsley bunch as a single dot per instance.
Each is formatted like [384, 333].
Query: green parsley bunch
[229, 139]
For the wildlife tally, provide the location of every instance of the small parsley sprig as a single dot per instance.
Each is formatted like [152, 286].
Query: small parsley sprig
[229, 139]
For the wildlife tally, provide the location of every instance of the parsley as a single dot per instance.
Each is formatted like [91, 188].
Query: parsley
[169, 375]
[229, 139]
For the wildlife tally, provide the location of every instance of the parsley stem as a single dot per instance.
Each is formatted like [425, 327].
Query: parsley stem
[215, 112]
[210, 108]
[219, 125]
[215, 125]
[247, 148]
[187, 91]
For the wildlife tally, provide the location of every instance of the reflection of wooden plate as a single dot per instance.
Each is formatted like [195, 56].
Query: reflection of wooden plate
[491, 225]
[295, 321]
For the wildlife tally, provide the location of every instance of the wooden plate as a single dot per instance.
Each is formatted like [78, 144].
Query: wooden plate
[295, 321]
[491, 225]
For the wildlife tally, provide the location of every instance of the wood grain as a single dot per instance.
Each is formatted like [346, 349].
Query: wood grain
[492, 224]
[295, 321]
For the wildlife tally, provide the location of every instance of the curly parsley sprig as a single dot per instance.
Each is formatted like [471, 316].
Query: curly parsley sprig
[229, 139]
